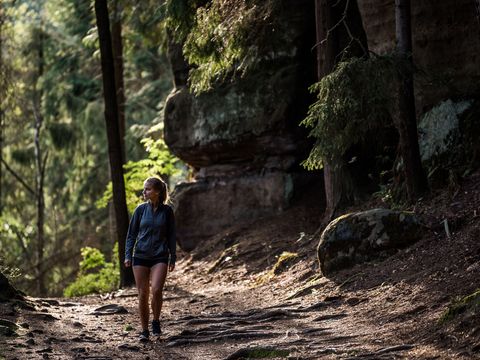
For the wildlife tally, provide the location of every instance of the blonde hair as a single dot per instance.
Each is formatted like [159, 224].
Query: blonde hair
[160, 186]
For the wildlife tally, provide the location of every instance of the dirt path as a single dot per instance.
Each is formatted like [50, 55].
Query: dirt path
[204, 325]
[207, 320]
[225, 302]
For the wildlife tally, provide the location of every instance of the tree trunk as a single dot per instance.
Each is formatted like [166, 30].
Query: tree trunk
[332, 20]
[117, 48]
[40, 163]
[2, 97]
[113, 135]
[406, 120]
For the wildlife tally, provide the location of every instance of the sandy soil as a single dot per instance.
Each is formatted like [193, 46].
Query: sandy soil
[225, 302]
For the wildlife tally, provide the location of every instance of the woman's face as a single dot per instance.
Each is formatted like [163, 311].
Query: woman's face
[149, 193]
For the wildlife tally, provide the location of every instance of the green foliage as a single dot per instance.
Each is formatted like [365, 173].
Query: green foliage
[159, 162]
[62, 135]
[92, 259]
[221, 38]
[181, 16]
[351, 101]
[106, 277]
[460, 305]
[393, 195]
[61, 36]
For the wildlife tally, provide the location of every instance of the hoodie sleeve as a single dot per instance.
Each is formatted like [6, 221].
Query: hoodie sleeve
[133, 229]
[171, 235]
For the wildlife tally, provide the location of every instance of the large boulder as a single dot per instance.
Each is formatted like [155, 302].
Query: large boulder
[365, 236]
[245, 121]
[252, 117]
[243, 138]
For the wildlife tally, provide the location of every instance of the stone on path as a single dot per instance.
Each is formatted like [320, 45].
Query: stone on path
[129, 347]
[258, 352]
[110, 310]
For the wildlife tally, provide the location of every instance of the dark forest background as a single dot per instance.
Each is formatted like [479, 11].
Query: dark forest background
[354, 118]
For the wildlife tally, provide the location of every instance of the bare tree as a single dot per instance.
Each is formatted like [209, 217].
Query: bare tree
[113, 135]
[406, 120]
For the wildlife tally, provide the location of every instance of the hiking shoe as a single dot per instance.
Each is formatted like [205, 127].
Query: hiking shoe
[144, 335]
[156, 327]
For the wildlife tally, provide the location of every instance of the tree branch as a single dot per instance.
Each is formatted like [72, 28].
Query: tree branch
[26, 253]
[18, 177]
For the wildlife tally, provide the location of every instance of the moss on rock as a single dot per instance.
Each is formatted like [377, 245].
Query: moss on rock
[461, 305]
[365, 236]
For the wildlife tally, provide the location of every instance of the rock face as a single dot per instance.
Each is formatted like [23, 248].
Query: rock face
[243, 137]
[446, 43]
[439, 129]
[364, 236]
[208, 205]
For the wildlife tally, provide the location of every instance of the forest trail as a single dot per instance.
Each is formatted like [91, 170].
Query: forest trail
[233, 324]
[202, 319]
[229, 299]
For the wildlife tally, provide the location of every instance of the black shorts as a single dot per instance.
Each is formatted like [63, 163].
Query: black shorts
[148, 262]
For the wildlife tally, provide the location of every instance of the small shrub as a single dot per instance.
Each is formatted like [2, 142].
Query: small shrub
[93, 259]
[95, 275]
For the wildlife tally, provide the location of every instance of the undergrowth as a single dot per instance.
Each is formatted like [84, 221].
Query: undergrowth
[95, 274]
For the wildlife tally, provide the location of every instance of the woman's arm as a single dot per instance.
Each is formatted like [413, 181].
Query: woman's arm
[171, 237]
[132, 234]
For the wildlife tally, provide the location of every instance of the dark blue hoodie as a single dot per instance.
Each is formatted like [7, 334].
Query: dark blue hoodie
[151, 234]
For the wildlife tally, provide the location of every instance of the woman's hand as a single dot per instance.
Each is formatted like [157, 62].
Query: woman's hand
[128, 263]
[171, 267]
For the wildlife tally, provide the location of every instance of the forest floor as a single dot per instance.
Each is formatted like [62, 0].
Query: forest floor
[225, 301]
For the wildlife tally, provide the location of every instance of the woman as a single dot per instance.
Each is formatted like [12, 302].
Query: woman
[150, 249]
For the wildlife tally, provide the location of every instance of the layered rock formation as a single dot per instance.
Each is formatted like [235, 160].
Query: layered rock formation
[243, 137]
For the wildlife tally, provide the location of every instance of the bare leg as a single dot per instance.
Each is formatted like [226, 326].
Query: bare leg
[159, 274]
[142, 278]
